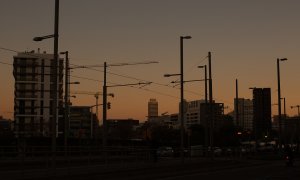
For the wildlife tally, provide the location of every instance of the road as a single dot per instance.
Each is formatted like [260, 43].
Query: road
[276, 171]
[169, 170]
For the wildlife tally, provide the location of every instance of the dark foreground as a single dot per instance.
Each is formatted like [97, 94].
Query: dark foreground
[172, 169]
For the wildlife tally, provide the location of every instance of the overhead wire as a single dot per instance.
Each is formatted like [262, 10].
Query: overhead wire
[112, 73]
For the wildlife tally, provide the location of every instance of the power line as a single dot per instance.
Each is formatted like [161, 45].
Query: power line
[120, 75]
[129, 77]
[192, 67]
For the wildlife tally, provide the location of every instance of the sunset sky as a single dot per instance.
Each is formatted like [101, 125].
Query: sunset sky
[245, 38]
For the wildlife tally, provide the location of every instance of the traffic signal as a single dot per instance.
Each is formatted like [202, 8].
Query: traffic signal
[108, 105]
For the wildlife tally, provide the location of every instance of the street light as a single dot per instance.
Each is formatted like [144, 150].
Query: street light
[40, 38]
[206, 101]
[169, 75]
[55, 95]
[181, 97]
[279, 101]
[76, 82]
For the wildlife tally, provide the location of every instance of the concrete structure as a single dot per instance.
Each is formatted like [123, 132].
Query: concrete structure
[217, 115]
[83, 122]
[245, 116]
[166, 120]
[152, 108]
[196, 112]
[290, 128]
[261, 112]
[33, 93]
[122, 128]
[193, 115]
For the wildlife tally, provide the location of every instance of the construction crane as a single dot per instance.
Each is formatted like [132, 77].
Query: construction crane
[95, 94]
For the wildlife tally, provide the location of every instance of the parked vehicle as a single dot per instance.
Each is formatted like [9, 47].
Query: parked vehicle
[165, 151]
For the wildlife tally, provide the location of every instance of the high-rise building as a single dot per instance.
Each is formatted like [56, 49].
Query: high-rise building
[196, 112]
[34, 79]
[262, 124]
[217, 115]
[192, 115]
[83, 123]
[152, 108]
[245, 116]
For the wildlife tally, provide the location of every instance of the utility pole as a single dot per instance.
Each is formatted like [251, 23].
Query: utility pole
[279, 102]
[206, 108]
[97, 124]
[237, 103]
[211, 118]
[67, 96]
[181, 103]
[104, 138]
[104, 109]
[55, 85]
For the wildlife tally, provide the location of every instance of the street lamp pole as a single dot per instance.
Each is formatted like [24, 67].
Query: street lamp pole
[211, 139]
[54, 93]
[182, 99]
[279, 103]
[55, 100]
[67, 96]
[104, 113]
[206, 102]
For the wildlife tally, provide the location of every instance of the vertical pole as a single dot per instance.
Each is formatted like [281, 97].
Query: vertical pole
[205, 85]
[211, 118]
[206, 103]
[55, 84]
[91, 122]
[97, 120]
[67, 95]
[104, 108]
[297, 129]
[284, 108]
[181, 103]
[279, 106]
[237, 103]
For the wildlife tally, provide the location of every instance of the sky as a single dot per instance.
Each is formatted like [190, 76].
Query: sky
[245, 38]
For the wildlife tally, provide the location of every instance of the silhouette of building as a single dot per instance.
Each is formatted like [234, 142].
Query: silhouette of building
[245, 116]
[217, 115]
[152, 108]
[33, 73]
[83, 123]
[290, 128]
[262, 124]
[5, 127]
[122, 128]
[193, 115]
[197, 112]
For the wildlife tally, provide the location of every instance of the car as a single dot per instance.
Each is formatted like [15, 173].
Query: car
[165, 151]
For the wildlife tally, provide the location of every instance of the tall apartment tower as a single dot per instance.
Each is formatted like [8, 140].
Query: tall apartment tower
[245, 116]
[262, 124]
[152, 108]
[34, 79]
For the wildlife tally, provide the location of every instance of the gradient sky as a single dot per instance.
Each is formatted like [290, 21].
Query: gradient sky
[245, 38]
